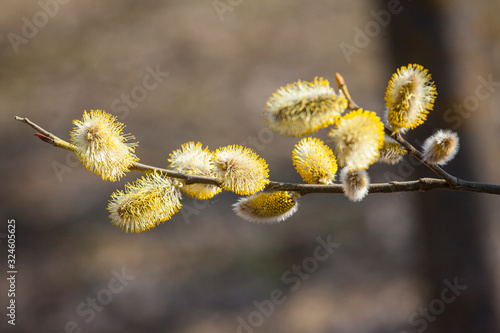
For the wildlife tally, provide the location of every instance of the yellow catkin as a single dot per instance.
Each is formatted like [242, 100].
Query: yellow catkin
[267, 207]
[314, 161]
[193, 159]
[357, 139]
[144, 204]
[100, 145]
[409, 97]
[240, 170]
[302, 107]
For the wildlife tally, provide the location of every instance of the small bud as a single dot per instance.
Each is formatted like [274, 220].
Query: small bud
[441, 147]
[44, 138]
[355, 183]
[240, 170]
[302, 107]
[392, 152]
[101, 146]
[195, 160]
[314, 161]
[357, 139]
[409, 97]
[267, 207]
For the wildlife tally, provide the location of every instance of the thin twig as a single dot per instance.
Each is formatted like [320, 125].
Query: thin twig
[46, 136]
[419, 185]
[187, 178]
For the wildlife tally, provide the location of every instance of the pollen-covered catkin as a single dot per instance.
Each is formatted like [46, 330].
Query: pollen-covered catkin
[267, 207]
[240, 170]
[409, 97]
[357, 139]
[100, 145]
[195, 160]
[314, 161]
[144, 204]
[302, 107]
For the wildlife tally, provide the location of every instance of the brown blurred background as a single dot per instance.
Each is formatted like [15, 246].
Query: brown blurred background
[205, 269]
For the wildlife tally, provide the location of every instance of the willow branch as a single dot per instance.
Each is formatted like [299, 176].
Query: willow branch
[46, 136]
[419, 185]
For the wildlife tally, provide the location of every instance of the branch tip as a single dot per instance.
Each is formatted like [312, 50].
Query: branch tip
[340, 80]
[343, 87]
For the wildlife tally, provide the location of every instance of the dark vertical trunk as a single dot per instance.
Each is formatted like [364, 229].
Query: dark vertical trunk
[449, 223]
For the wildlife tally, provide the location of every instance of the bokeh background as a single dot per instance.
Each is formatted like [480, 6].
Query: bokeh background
[206, 269]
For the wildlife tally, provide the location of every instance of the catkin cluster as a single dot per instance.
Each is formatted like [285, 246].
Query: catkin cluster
[356, 140]
[357, 137]
[100, 145]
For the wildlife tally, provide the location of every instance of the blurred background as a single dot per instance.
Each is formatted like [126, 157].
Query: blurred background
[179, 71]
